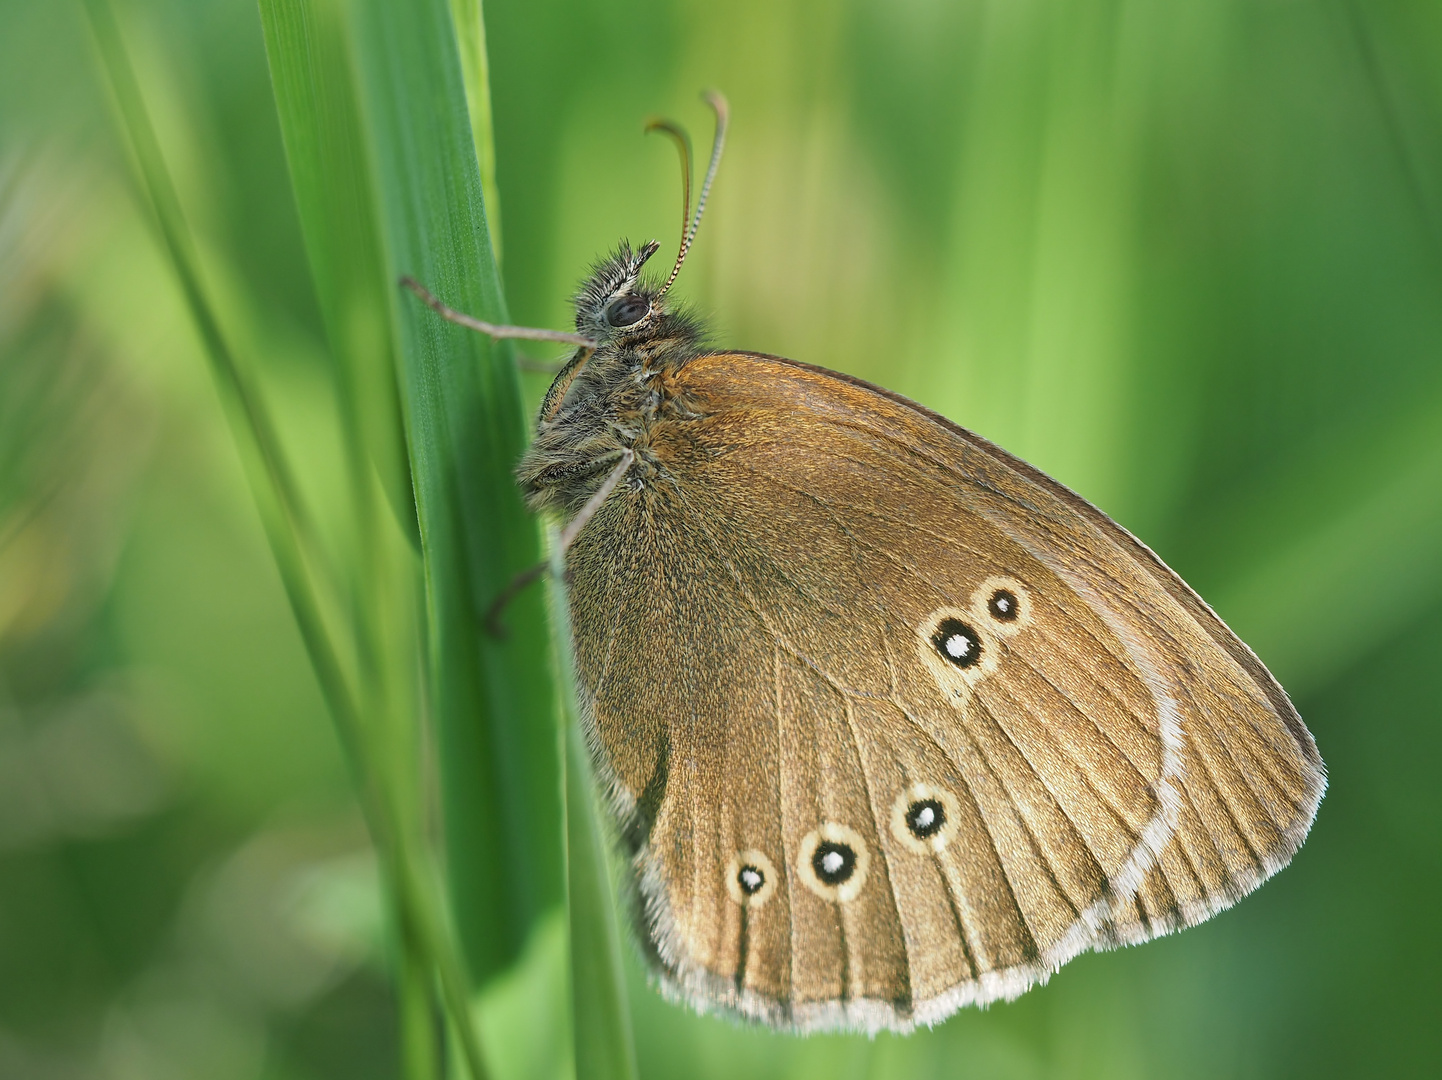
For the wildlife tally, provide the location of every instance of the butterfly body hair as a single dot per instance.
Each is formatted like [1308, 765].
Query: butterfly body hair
[613, 396]
[889, 722]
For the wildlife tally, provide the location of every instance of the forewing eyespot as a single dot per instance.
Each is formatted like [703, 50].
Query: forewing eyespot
[958, 649]
[958, 643]
[1003, 603]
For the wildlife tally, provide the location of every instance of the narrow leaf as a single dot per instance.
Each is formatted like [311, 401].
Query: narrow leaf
[492, 698]
[315, 103]
[601, 1013]
[470, 20]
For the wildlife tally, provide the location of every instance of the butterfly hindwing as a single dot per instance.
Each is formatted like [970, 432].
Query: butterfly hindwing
[893, 723]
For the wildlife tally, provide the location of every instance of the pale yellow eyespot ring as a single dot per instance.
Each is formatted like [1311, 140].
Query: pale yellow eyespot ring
[1003, 604]
[750, 878]
[958, 650]
[833, 862]
[924, 818]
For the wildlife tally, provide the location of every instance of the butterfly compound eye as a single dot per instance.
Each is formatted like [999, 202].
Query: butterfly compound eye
[627, 311]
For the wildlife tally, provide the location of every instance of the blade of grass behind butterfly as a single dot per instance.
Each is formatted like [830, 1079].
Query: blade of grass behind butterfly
[601, 1026]
[470, 22]
[316, 107]
[493, 700]
[315, 103]
[267, 471]
[275, 493]
[602, 1042]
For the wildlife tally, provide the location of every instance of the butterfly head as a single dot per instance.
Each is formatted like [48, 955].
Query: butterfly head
[614, 304]
[617, 307]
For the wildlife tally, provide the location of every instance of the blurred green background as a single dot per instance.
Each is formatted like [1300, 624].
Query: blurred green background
[1186, 258]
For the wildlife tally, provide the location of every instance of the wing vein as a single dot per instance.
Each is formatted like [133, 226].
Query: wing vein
[880, 824]
[961, 771]
[1122, 706]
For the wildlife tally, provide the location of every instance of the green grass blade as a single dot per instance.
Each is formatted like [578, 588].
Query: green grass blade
[470, 21]
[416, 1020]
[601, 1023]
[270, 477]
[251, 422]
[317, 110]
[422, 929]
[316, 106]
[493, 700]
[310, 90]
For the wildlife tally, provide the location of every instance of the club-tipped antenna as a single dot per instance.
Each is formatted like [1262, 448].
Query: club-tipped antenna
[679, 136]
[723, 111]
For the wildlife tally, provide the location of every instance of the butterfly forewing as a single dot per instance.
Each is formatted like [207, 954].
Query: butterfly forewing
[894, 723]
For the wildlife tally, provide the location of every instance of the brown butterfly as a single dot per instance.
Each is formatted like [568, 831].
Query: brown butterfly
[891, 722]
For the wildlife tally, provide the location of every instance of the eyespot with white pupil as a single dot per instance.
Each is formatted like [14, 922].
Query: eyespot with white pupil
[626, 311]
[957, 643]
[750, 878]
[959, 648]
[833, 862]
[924, 818]
[1002, 605]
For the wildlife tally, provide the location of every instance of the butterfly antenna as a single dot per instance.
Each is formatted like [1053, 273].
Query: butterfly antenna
[723, 112]
[682, 140]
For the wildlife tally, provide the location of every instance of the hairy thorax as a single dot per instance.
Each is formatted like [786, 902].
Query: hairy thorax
[621, 397]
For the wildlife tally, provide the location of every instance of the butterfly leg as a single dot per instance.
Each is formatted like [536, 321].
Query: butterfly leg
[587, 512]
[568, 536]
[493, 330]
